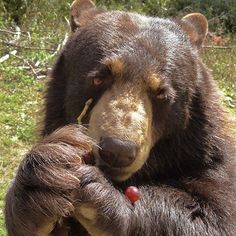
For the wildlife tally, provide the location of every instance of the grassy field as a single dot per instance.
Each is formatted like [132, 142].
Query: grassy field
[21, 98]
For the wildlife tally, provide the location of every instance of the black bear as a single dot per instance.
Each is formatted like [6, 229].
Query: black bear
[151, 116]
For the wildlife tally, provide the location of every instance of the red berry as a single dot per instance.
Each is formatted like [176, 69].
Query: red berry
[132, 193]
[88, 159]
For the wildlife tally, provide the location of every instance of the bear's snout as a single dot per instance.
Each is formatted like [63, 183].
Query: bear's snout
[121, 124]
[117, 152]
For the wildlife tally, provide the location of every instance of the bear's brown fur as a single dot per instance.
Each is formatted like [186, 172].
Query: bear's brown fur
[158, 125]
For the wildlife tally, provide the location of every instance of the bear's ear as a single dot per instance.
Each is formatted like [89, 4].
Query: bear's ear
[81, 12]
[196, 26]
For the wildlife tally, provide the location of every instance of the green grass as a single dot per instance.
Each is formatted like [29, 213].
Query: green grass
[222, 63]
[20, 99]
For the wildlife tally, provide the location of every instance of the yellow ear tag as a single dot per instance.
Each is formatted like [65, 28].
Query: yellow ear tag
[84, 111]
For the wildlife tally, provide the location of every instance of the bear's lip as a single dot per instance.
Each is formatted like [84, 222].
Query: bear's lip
[116, 174]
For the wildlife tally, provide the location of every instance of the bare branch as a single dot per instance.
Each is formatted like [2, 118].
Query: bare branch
[7, 56]
[29, 64]
[27, 47]
[12, 32]
[220, 47]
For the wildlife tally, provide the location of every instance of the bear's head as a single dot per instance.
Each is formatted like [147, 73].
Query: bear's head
[143, 75]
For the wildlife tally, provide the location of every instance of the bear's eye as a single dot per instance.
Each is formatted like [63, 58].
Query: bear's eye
[165, 93]
[162, 95]
[100, 78]
[97, 82]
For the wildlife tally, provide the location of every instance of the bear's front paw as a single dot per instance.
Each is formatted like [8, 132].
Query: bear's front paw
[41, 193]
[88, 174]
[87, 207]
[99, 206]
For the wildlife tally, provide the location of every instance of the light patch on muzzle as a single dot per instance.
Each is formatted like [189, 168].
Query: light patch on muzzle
[125, 113]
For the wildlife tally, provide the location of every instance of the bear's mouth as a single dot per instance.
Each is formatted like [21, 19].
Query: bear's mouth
[115, 174]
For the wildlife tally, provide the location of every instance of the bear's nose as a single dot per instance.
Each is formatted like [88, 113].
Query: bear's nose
[117, 152]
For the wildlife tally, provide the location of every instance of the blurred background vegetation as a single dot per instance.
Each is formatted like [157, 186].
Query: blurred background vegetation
[221, 13]
[33, 32]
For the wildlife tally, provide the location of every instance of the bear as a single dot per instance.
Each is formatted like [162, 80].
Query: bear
[149, 116]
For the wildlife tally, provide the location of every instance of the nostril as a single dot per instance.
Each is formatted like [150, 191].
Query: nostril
[117, 152]
[106, 154]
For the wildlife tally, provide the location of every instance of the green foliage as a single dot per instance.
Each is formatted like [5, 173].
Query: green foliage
[15, 9]
[151, 7]
[221, 13]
